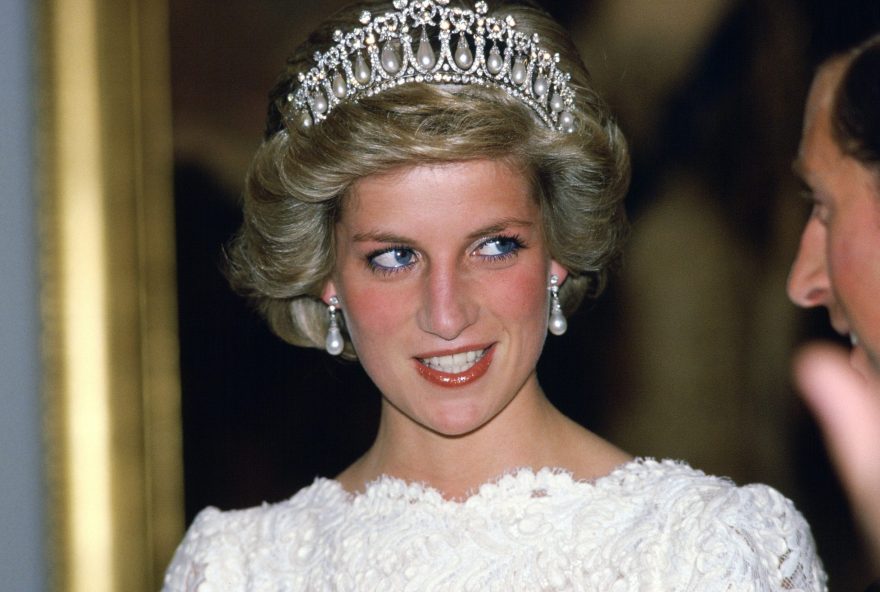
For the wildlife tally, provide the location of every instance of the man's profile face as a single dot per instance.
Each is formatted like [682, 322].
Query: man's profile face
[838, 261]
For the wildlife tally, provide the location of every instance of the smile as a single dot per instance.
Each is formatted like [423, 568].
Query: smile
[456, 369]
[455, 363]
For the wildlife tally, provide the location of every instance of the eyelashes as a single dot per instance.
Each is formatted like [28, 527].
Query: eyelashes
[392, 259]
[820, 209]
[499, 248]
[398, 258]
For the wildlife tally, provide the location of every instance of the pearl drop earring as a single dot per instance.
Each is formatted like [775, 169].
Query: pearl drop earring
[334, 343]
[558, 325]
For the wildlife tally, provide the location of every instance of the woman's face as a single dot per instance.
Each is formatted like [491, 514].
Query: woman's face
[442, 274]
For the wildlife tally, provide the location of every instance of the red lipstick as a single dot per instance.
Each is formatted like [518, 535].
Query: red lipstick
[448, 379]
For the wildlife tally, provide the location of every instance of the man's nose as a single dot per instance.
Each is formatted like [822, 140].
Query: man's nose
[808, 281]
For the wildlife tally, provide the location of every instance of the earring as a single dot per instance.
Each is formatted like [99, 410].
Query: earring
[334, 342]
[558, 325]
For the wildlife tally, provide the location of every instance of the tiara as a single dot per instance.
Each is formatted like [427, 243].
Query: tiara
[380, 55]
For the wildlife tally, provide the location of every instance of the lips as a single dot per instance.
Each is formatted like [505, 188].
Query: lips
[454, 369]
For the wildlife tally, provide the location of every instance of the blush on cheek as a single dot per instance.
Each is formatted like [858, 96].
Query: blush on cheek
[519, 295]
[374, 309]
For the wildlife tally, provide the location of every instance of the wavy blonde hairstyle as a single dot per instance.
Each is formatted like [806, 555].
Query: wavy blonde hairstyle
[284, 252]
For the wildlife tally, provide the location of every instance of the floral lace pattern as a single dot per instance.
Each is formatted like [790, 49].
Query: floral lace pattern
[647, 526]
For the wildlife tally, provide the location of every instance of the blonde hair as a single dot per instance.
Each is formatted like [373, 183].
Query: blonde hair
[284, 252]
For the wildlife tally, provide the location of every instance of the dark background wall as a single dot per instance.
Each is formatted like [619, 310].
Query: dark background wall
[685, 356]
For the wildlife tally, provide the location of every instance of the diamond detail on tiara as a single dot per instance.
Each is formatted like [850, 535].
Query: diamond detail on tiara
[397, 47]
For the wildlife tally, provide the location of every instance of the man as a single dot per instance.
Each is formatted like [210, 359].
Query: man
[838, 267]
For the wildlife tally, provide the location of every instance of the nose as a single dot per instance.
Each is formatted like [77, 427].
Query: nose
[448, 307]
[808, 281]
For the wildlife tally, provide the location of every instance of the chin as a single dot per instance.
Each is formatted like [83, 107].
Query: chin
[458, 422]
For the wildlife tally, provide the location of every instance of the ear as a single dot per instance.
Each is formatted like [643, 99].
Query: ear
[328, 291]
[559, 271]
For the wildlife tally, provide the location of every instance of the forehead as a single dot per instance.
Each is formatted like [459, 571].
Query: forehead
[821, 162]
[429, 188]
[817, 137]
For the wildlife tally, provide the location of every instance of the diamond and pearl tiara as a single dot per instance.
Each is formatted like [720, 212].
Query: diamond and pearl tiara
[380, 55]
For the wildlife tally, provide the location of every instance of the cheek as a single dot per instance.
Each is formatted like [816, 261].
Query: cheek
[852, 259]
[838, 256]
[372, 312]
[520, 295]
[854, 268]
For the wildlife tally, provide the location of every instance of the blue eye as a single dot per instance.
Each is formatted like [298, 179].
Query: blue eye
[499, 247]
[392, 259]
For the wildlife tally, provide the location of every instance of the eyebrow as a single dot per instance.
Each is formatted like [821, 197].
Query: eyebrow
[392, 238]
[375, 236]
[500, 226]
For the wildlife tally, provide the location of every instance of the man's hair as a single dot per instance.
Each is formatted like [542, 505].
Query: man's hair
[856, 115]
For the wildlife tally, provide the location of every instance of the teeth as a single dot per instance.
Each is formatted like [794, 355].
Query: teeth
[853, 339]
[456, 363]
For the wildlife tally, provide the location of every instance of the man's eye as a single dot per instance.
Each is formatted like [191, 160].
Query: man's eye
[821, 212]
[392, 258]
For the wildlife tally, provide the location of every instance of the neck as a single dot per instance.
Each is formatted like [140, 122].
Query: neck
[530, 433]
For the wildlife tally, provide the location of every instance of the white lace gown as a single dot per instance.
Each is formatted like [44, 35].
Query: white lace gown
[648, 526]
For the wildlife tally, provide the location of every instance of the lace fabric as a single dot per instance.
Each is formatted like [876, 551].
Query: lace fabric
[648, 525]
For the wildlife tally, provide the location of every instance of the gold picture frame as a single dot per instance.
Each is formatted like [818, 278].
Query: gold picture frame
[112, 393]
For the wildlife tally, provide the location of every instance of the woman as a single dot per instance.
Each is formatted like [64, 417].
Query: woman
[438, 186]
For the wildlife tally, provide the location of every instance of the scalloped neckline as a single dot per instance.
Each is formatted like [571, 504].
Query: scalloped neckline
[520, 481]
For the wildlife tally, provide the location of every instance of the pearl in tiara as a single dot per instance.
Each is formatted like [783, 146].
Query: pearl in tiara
[395, 48]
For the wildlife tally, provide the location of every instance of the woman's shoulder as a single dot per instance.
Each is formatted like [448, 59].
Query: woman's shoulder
[667, 493]
[676, 482]
[219, 545]
[268, 520]
[752, 531]
[674, 487]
